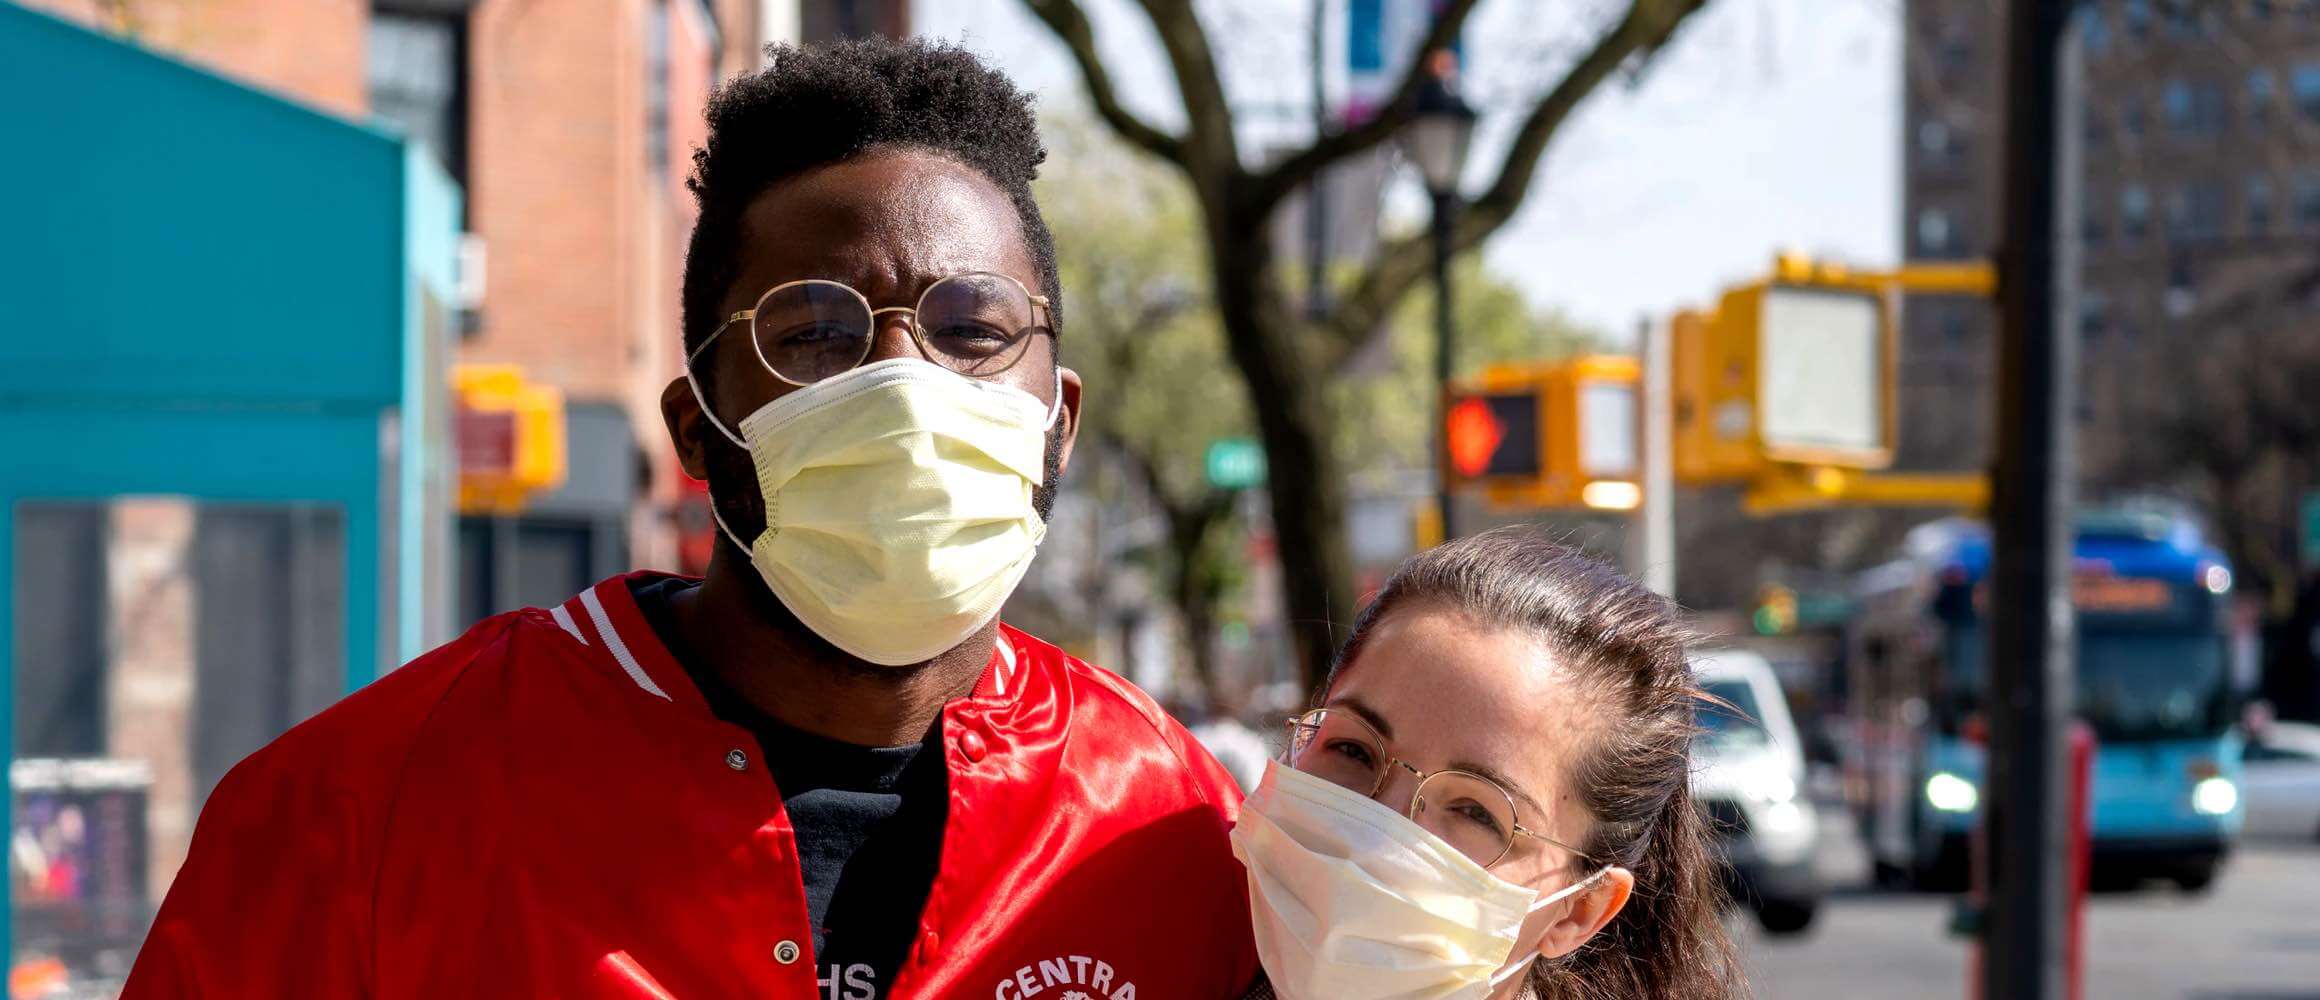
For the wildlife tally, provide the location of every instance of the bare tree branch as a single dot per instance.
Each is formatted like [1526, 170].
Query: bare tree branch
[1300, 167]
[1070, 23]
[1646, 27]
[1213, 151]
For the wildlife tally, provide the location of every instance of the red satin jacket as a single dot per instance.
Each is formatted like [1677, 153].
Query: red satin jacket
[546, 807]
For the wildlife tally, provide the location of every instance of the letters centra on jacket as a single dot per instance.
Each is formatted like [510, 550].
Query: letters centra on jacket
[1066, 977]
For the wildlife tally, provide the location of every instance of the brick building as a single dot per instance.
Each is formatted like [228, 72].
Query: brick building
[570, 126]
[2200, 125]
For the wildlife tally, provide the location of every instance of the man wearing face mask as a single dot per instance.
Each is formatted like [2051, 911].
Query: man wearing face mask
[826, 769]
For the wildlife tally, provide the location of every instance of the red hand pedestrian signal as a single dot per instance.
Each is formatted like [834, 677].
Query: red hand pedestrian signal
[1474, 436]
[1492, 436]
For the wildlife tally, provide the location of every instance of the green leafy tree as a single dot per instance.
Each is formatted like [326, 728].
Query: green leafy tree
[1143, 334]
[1287, 359]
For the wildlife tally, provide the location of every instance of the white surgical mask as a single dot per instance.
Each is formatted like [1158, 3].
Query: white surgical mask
[1353, 901]
[898, 503]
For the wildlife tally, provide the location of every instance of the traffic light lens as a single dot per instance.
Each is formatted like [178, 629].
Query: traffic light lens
[1492, 436]
[1475, 434]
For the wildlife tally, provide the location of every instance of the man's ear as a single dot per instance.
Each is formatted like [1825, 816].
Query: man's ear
[1069, 416]
[1571, 922]
[688, 427]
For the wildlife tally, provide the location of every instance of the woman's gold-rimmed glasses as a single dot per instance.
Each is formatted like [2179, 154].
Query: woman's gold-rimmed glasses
[977, 324]
[1468, 811]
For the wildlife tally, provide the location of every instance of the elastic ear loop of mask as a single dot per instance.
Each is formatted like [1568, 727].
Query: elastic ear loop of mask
[1501, 976]
[1054, 412]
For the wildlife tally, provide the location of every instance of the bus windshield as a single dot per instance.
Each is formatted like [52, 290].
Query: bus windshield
[2135, 685]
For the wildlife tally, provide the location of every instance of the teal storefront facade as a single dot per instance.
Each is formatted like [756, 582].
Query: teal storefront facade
[224, 477]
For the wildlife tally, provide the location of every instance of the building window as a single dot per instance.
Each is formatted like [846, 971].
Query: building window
[416, 72]
[2259, 96]
[1933, 138]
[2305, 85]
[2183, 21]
[2134, 212]
[2192, 109]
[2308, 200]
[1955, 54]
[2091, 224]
[2137, 14]
[1939, 144]
[2256, 204]
[1937, 235]
[2094, 29]
[1953, 326]
[656, 90]
[2195, 211]
[2094, 310]
[2182, 293]
[2131, 120]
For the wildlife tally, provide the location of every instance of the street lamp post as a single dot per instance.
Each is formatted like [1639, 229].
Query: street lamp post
[1437, 139]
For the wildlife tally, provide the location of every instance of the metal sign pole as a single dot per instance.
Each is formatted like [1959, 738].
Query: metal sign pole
[2031, 628]
[1658, 512]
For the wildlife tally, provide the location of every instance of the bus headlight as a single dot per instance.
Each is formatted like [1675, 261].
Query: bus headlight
[1950, 793]
[2214, 796]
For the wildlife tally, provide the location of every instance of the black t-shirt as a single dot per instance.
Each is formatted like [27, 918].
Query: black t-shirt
[869, 823]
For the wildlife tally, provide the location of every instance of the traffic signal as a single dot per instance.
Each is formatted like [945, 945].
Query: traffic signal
[1493, 436]
[509, 435]
[1796, 369]
[1775, 610]
[1547, 435]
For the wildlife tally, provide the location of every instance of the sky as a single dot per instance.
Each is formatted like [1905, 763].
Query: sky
[1766, 125]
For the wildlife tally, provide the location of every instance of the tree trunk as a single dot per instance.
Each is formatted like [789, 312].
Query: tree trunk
[1303, 476]
[1188, 530]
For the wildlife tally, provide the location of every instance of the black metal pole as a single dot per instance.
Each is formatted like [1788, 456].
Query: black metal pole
[2032, 493]
[1445, 210]
[1317, 189]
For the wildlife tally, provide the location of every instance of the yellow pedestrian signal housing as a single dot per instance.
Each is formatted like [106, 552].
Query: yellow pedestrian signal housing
[509, 435]
[1796, 369]
[1547, 435]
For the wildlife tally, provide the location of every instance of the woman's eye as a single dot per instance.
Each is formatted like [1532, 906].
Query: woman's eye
[1474, 813]
[1352, 751]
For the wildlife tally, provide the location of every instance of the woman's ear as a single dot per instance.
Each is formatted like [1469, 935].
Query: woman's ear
[1574, 920]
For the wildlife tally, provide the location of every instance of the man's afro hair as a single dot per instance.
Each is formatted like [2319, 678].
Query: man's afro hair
[817, 105]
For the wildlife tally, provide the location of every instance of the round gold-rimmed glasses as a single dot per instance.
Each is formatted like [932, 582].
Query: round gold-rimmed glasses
[978, 324]
[1468, 811]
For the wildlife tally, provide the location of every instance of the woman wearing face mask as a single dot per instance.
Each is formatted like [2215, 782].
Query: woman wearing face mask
[1492, 800]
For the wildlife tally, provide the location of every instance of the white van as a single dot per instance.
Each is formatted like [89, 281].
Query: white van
[1750, 780]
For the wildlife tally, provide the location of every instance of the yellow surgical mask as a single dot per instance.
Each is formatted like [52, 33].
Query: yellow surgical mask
[898, 503]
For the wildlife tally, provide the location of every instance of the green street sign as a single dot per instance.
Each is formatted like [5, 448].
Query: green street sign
[1236, 464]
[2311, 527]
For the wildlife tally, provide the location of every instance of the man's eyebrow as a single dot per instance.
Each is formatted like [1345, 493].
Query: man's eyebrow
[1368, 714]
[1501, 780]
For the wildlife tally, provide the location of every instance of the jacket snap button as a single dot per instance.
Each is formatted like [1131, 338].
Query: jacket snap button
[786, 952]
[737, 760]
[971, 746]
[928, 943]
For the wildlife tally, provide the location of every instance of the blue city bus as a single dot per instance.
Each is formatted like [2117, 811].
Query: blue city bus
[2154, 681]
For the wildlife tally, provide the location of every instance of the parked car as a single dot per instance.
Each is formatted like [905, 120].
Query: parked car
[2281, 784]
[1751, 784]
